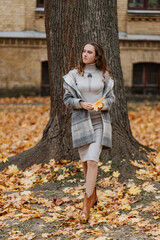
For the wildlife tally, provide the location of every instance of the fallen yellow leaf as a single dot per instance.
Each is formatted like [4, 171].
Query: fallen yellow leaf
[106, 168]
[116, 174]
[12, 169]
[134, 190]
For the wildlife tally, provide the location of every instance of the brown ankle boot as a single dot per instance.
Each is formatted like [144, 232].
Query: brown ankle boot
[86, 206]
[94, 199]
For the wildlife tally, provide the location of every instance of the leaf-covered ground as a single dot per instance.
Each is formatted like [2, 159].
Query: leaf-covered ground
[44, 202]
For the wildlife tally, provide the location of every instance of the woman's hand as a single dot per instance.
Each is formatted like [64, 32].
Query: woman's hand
[99, 108]
[86, 105]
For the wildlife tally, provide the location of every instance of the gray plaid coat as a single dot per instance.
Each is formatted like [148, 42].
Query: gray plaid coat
[81, 125]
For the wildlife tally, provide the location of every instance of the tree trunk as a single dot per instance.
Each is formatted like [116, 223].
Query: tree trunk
[69, 24]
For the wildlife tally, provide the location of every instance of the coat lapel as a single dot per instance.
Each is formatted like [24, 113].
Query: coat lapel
[108, 86]
[71, 82]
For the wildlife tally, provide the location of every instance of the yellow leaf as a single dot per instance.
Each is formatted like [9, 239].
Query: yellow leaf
[116, 174]
[79, 232]
[111, 216]
[150, 188]
[3, 160]
[12, 169]
[98, 104]
[122, 218]
[52, 162]
[49, 219]
[57, 208]
[157, 159]
[60, 177]
[29, 236]
[2, 187]
[136, 164]
[106, 229]
[143, 223]
[126, 207]
[101, 238]
[134, 190]
[110, 193]
[106, 168]
[136, 219]
[68, 190]
[45, 235]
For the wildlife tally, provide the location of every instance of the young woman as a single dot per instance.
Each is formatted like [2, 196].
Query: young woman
[91, 129]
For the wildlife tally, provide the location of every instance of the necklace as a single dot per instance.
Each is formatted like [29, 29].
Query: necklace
[89, 76]
[89, 71]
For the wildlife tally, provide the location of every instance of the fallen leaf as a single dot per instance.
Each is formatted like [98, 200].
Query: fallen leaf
[134, 190]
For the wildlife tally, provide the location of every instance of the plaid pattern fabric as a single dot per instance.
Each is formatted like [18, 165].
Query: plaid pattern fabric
[81, 125]
[82, 129]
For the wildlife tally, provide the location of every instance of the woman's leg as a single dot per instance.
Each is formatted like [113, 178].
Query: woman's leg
[90, 197]
[91, 176]
[85, 169]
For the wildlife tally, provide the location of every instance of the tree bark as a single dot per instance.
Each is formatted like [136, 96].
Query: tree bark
[69, 24]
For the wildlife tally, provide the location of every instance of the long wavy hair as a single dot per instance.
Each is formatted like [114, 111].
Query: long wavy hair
[100, 62]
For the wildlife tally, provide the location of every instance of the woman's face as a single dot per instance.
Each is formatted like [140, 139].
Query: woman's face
[88, 54]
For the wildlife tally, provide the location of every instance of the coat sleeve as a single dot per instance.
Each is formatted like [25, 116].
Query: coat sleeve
[108, 101]
[69, 98]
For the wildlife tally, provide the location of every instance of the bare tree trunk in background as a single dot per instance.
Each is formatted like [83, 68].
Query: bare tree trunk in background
[69, 24]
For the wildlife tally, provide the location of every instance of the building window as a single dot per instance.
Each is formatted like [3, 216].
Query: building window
[146, 78]
[144, 4]
[40, 3]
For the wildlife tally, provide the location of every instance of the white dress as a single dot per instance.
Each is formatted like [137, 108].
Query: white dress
[91, 87]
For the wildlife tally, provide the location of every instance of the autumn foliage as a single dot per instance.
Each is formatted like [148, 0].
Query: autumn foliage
[22, 122]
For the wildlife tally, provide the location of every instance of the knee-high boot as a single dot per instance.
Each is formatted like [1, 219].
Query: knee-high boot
[88, 203]
[94, 198]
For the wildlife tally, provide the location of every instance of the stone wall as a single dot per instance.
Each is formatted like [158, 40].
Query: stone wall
[30, 15]
[21, 58]
[39, 21]
[21, 15]
[122, 6]
[143, 24]
[137, 23]
[21, 63]
[137, 52]
[12, 17]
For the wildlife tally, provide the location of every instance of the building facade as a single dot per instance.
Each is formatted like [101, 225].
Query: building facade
[23, 48]
[139, 34]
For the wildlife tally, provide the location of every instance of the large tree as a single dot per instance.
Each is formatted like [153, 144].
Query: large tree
[69, 24]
